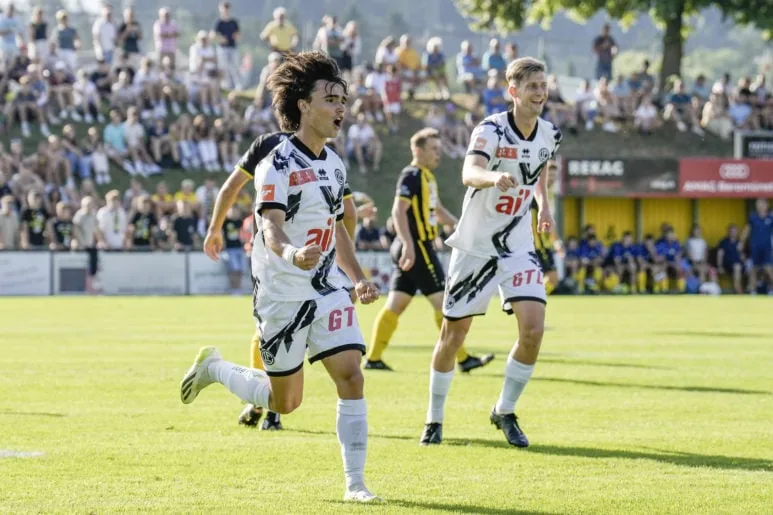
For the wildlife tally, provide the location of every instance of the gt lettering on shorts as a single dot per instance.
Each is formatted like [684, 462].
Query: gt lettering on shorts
[533, 276]
[340, 318]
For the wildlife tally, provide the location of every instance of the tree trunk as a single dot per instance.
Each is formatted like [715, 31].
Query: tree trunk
[673, 45]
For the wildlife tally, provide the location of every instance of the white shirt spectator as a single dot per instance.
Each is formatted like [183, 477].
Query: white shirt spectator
[104, 33]
[696, 249]
[198, 54]
[135, 134]
[84, 89]
[206, 198]
[377, 81]
[112, 225]
[145, 75]
[385, 56]
[646, 112]
[360, 134]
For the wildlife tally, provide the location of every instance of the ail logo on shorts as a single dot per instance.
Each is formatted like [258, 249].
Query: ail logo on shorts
[267, 192]
[507, 152]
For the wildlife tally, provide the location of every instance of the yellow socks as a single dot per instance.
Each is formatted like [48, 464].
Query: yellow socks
[386, 323]
[255, 360]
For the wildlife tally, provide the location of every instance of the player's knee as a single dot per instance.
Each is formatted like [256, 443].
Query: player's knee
[286, 404]
[530, 334]
[350, 383]
[453, 334]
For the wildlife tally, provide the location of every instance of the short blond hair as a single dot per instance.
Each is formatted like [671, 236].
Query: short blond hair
[420, 138]
[522, 67]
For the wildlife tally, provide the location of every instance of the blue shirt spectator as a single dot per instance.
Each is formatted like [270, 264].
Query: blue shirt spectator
[493, 98]
[228, 30]
[493, 58]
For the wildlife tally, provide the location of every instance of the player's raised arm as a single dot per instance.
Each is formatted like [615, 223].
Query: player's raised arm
[226, 197]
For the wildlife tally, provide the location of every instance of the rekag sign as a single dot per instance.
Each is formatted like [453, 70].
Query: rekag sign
[621, 177]
[747, 178]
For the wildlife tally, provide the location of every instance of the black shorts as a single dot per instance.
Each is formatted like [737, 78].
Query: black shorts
[426, 275]
[546, 260]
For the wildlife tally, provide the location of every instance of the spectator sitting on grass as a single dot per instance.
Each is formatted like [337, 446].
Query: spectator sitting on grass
[227, 144]
[204, 74]
[71, 146]
[124, 93]
[493, 59]
[646, 116]
[94, 150]
[163, 200]
[681, 110]
[164, 148]
[468, 69]
[147, 83]
[137, 146]
[363, 144]
[173, 90]
[434, 64]
[86, 97]
[205, 143]
[61, 88]
[135, 191]
[409, 64]
[114, 137]
[24, 107]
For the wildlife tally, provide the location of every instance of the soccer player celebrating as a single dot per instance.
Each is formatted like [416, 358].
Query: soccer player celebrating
[416, 212]
[298, 301]
[493, 246]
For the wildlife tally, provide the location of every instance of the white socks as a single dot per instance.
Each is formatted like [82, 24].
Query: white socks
[516, 376]
[249, 384]
[352, 430]
[439, 384]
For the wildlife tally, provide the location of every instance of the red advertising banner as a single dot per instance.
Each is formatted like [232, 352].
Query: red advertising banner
[731, 178]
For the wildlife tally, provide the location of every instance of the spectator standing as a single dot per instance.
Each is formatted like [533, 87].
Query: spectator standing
[606, 50]
[141, 231]
[368, 236]
[94, 151]
[363, 144]
[61, 228]
[204, 74]
[330, 40]
[227, 30]
[11, 33]
[86, 237]
[165, 34]
[352, 44]
[37, 33]
[281, 35]
[184, 227]
[112, 222]
[104, 35]
[67, 40]
[135, 191]
[493, 59]
[233, 249]
[129, 37]
[34, 221]
[9, 224]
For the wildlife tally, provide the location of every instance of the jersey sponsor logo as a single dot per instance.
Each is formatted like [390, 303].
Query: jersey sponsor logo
[507, 153]
[321, 237]
[268, 192]
[405, 191]
[510, 205]
[480, 143]
[300, 177]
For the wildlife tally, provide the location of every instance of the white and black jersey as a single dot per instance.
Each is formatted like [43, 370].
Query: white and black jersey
[310, 191]
[497, 224]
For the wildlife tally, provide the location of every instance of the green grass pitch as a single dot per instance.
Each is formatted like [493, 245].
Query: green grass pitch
[638, 405]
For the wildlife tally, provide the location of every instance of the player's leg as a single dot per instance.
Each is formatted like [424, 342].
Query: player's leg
[251, 414]
[464, 360]
[280, 387]
[335, 339]
[471, 283]
[400, 295]
[523, 295]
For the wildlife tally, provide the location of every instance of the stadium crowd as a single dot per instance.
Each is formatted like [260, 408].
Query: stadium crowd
[140, 112]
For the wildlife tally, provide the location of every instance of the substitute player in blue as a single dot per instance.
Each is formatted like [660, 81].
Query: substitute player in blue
[758, 233]
[730, 259]
[670, 254]
[622, 258]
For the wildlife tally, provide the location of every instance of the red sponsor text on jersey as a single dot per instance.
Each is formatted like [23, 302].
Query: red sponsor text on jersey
[267, 192]
[302, 177]
[507, 152]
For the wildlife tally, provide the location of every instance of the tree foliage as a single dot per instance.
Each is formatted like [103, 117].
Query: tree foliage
[512, 15]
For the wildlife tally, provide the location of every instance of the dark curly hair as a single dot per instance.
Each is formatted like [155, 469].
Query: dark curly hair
[294, 80]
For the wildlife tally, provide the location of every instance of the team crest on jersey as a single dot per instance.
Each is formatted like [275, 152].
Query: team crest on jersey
[339, 176]
[268, 358]
[543, 154]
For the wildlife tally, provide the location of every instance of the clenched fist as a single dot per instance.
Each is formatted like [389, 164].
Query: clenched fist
[504, 182]
[366, 291]
[307, 257]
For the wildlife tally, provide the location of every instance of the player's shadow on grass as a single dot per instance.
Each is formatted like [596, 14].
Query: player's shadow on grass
[455, 508]
[31, 414]
[682, 459]
[562, 361]
[715, 334]
[698, 389]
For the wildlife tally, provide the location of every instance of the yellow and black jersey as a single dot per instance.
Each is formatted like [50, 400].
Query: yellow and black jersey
[262, 147]
[418, 186]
